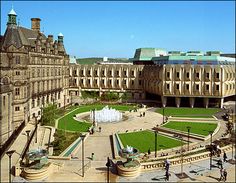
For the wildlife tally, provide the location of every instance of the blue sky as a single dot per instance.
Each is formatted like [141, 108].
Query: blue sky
[116, 29]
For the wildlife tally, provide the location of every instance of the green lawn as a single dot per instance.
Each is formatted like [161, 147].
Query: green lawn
[73, 125]
[143, 140]
[188, 112]
[196, 127]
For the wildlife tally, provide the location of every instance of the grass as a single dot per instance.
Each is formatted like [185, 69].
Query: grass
[189, 112]
[196, 127]
[62, 141]
[67, 122]
[143, 140]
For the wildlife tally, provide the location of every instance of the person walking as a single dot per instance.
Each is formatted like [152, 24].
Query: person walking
[167, 175]
[225, 157]
[225, 175]
[149, 151]
[143, 114]
[100, 129]
[221, 174]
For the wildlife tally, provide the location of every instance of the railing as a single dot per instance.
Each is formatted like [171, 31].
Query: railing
[11, 139]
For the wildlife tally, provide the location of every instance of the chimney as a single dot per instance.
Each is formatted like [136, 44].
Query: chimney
[50, 38]
[35, 24]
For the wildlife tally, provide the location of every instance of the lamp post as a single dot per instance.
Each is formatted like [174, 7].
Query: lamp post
[156, 143]
[9, 153]
[94, 123]
[211, 132]
[27, 132]
[36, 129]
[64, 102]
[108, 164]
[163, 114]
[82, 138]
[182, 156]
[188, 127]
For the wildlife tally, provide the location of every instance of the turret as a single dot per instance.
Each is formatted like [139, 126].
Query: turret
[12, 17]
[60, 38]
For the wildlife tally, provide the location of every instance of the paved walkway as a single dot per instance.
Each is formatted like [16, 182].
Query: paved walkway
[98, 143]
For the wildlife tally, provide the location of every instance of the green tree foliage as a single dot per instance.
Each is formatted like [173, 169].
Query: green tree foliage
[110, 96]
[49, 114]
[90, 94]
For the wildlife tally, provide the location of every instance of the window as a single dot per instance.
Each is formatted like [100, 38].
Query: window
[217, 75]
[177, 86]
[117, 73]
[110, 81]
[207, 75]
[17, 108]
[217, 87]
[89, 72]
[140, 82]
[132, 82]
[117, 82]
[17, 73]
[88, 81]
[177, 74]
[17, 91]
[132, 73]
[33, 103]
[103, 72]
[187, 74]
[74, 72]
[124, 82]
[168, 74]
[197, 87]
[207, 87]
[167, 86]
[103, 81]
[140, 73]
[110, 73]
[125, 73]
[197, 75]
[96, 81]
[187, 86]
[4, 101]
[17, 59]
[96, 72]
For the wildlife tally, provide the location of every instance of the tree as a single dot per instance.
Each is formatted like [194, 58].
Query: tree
[49, 114]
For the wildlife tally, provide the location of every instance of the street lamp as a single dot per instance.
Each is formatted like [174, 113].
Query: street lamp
[108, 164]
[9, 153]
[64, 102]
[211, 132]
[27, 132]
[156, 143]
[82, 138]
[94, 123]
[163, 114]
[36, 126]
[188, 127]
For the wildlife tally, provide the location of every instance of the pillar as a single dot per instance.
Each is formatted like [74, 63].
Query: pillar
[221, 103]
[191, 101]
[177, 101]
[164, 101]
[206, 102]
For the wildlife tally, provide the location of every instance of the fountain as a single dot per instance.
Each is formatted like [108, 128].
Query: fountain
[106, 115]
[132, 166]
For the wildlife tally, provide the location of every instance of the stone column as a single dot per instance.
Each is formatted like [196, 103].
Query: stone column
[177, 101]
[206, 102]
[164, 101]
[191, 101]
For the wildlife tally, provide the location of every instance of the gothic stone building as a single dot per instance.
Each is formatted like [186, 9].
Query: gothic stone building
[34, 72]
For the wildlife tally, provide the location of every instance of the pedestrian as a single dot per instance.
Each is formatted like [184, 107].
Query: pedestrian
[149, 151]
[92, 156]
[220, 163]
[140, 114]
[225, 175]
[225, 157]
[100, 129]
[143, 114]
[221, 174]
[167, 175]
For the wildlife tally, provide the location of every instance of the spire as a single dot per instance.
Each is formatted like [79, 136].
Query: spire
[12, 17]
